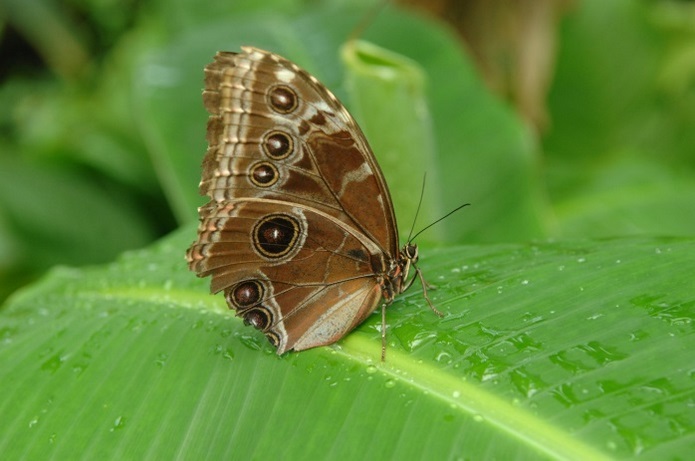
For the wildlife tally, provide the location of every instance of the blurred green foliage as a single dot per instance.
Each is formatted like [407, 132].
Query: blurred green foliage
[103, 129]
[620, 157]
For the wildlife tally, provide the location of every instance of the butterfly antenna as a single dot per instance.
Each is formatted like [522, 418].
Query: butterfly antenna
[417, 212]
[440, 219]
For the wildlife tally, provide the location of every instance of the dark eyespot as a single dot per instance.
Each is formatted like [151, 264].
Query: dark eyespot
[278, 145]
[273, 338]
[276, 235]
[282, 99]
[264, 174]
[260, 318]
[245, 294]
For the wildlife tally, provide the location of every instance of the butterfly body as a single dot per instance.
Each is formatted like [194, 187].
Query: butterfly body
[300, 232]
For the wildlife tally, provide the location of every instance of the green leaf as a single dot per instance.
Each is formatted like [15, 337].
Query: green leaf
[51, 211]
[620, 152]
[572, 350]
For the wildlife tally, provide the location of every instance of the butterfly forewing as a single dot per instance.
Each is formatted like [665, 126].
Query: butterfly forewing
[277, 132]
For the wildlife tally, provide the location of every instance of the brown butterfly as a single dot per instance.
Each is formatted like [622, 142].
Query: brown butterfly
[300, 232]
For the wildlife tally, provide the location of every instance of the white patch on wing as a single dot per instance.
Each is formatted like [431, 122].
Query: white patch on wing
[218, 195]
[253, 53]
[357, 175]
[284, 75]
[322, 106]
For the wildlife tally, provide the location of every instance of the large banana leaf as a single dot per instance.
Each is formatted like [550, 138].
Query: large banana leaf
[559, 350]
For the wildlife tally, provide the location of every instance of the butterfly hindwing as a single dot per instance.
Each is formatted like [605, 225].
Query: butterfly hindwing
[298, 274]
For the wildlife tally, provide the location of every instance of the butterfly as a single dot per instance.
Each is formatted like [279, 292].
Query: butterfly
[300, 232]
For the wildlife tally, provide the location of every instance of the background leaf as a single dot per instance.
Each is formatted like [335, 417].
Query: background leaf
[574, 350]
[620, 153]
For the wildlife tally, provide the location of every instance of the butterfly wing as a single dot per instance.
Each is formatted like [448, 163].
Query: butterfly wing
[276, 132]
[297, 274]
[300, 228]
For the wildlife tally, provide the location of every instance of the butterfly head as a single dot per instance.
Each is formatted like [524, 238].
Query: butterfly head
[410, 252]
[408, 257]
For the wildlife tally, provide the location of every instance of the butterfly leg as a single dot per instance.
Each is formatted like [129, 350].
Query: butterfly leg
[383, 332]
[425, 286]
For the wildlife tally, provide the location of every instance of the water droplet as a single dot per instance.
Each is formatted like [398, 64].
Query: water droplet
[161, 359]
[251, 341]
[118, 423]
[53, 363]
[390, 384]
[228, 353]
[478, 418]
[524, 282]
[581, 260]
[371, 369]
[638, 335]
[456, 394]
[420, 338]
